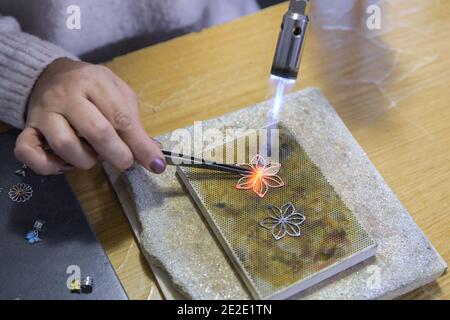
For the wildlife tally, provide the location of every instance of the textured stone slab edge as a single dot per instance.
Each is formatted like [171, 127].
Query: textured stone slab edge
[124, 195]
[405, 259]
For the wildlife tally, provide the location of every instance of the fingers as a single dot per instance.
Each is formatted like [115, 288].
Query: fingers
[91, 102]
[64, 142]
[90, 123]
[120, 106]
[30, 151]
[145, 150]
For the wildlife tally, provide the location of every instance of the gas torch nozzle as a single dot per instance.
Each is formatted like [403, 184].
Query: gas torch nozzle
[288, 53]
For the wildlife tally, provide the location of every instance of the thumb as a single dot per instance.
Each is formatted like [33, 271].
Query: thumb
[145, 150]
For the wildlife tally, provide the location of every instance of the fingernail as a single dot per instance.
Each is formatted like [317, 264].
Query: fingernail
[158, 166]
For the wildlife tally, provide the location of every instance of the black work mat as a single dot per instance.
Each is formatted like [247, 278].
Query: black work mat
[38, 271]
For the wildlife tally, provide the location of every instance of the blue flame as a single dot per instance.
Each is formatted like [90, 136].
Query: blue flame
[281, 85]
[273, 117]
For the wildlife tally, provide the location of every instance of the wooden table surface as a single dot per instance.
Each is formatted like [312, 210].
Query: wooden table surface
[390, 86]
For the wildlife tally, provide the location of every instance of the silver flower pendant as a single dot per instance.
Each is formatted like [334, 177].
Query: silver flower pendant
[20, 192]
[284, 221]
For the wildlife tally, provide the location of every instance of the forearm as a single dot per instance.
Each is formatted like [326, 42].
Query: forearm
[23, 57]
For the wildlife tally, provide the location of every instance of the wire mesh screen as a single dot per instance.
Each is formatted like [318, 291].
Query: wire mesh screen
[329, 234]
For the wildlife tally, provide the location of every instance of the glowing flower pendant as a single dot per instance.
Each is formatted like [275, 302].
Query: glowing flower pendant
[263, 175]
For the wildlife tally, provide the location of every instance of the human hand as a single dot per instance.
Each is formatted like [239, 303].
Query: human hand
[83, 112]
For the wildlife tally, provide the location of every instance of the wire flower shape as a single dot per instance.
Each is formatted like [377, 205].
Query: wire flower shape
[263, 175]
[20, 192]
[283, 221]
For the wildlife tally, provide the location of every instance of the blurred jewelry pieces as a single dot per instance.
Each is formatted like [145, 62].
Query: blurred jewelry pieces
[283, 221]
[39, 225]
[21, 173]
[75, 286]
[20, 192]
[32, 236]
[87, 284]
[262, 176]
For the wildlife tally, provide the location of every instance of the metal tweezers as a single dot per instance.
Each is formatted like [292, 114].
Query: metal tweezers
[178, 159]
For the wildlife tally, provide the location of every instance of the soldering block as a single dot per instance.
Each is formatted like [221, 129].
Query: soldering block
[174, 236]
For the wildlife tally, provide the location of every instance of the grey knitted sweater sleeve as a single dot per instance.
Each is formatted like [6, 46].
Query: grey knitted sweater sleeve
[23, 57]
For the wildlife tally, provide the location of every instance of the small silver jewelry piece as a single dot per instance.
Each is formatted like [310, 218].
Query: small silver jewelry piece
[39, 225]
[87, 284]
[20, 192]
[21, 172]
[283, 221]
